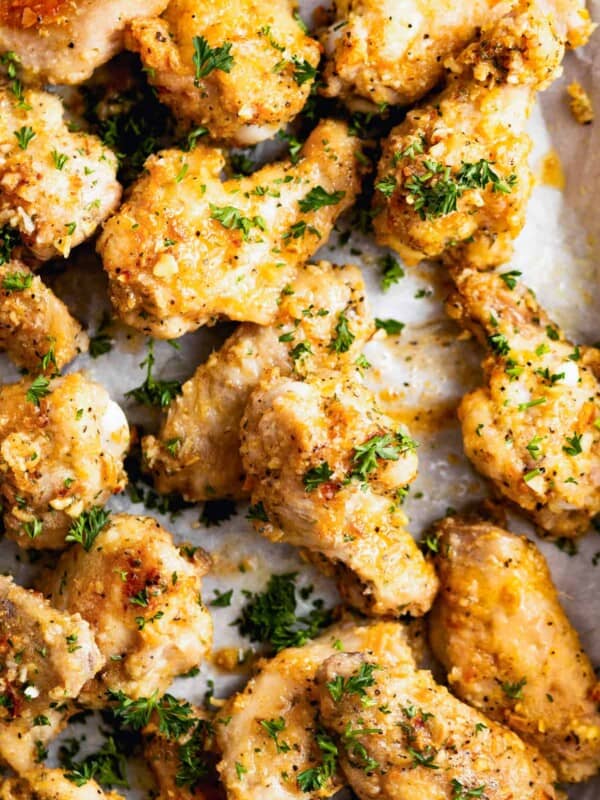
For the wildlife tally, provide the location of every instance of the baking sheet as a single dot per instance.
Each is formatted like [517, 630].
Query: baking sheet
[423, 373]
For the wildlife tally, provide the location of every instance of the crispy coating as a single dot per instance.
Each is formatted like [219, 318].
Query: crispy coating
[46, 656]
[262, 82]
[404, 737]
[56, 186]
[299, 450]
[393, 53]
[42, 783]
[197, 450]
[59, 457]
[508, 646]
[284, 691]
[580, 104]
[435, 195]
[34, 322]
[532, 428]
[184, 768]
[142, 599]
[63, 41]
[187, 249]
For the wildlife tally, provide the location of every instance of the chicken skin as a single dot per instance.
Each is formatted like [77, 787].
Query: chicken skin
[197, 451]
[327, 469]
[510, 651]
[387, 53]
[532, 429]
[62, 444]
[63, 41]
[273, 730]
[56, 186]
[51, 784]
[187, 249]
[454, 181]
[46, 656]
[34, 324]
[142, 599]
[242, 68]
[401, 736]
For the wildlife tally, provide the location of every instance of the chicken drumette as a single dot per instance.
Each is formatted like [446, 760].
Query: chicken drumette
[326, 470]
[532, 429]
[322, 321]
[142, 599]
[46, 656]
[63, 41]
[62, 444]
[51, 784]
[187, 249]
[509, 648]
[243, 68]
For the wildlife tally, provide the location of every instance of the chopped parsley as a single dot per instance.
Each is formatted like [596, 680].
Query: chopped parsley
[86, 528]
[315, 476]
[315, 778]
[207, 58]
[274, 727]
[191, 757]
[24, 135]
[257, 512]
[232, 219]
[222, 599]
[357, 683]
[423, 758]
[59, 159]
[152, 392]
[108, 766]
[303, 71]
[574, 445]
[17, 281]
[38, 389]
[385, 447]
[102, 342]
[174, 716]
[342, 341]
[514, 690]
[387, 186]
[9, 239]
[499, 344]
[391, 326]
[510, 278]
[460, 792]
[318, 198]
[392, 272]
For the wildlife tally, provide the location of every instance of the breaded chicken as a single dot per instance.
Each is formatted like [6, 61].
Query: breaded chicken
[453, 181]
[62, 445]
[390, 53]
[142, 599]
[272, 728]
[56, 186]
[184, 768]
[197, 450]
[328, 469]
[51, 784]
[63, 41]
[36, 329]
[532, 429]
[46, 656]
[401, 736]
[242, 68]
[187, 248]
[508, 646]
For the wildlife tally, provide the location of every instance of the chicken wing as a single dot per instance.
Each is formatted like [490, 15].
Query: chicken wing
[142, 599]
[271, 728]
[401, 736]
[36, 329]
[56, 186]
[389, 53]
[62, 444]
[46, 656]
[509, 648]
[532, 429]
[454, 181]
[187, 249]
[51, 784]
[63, 41]
[197, 451]
[243, 68]
[326, 468]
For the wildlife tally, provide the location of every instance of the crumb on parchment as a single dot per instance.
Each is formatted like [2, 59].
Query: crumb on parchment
[580, 103]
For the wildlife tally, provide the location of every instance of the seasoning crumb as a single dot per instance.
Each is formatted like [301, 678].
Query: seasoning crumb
[580, 104]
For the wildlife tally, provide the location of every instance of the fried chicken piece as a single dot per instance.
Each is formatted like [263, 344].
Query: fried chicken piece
[45, 658]
[243, 68]
[42, 783]
[454, 181]
[56, 186]
[184, 768]
[187, 249]
[34, 322]
[62, 444]
[508, 646]
[532, 429]
[63, 41]
[401, 736]
[326, 468]
[142, 599]
[322, 321]
[273, 730]
[393, 54]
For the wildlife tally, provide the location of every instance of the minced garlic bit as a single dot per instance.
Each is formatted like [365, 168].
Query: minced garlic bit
[580, 103]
